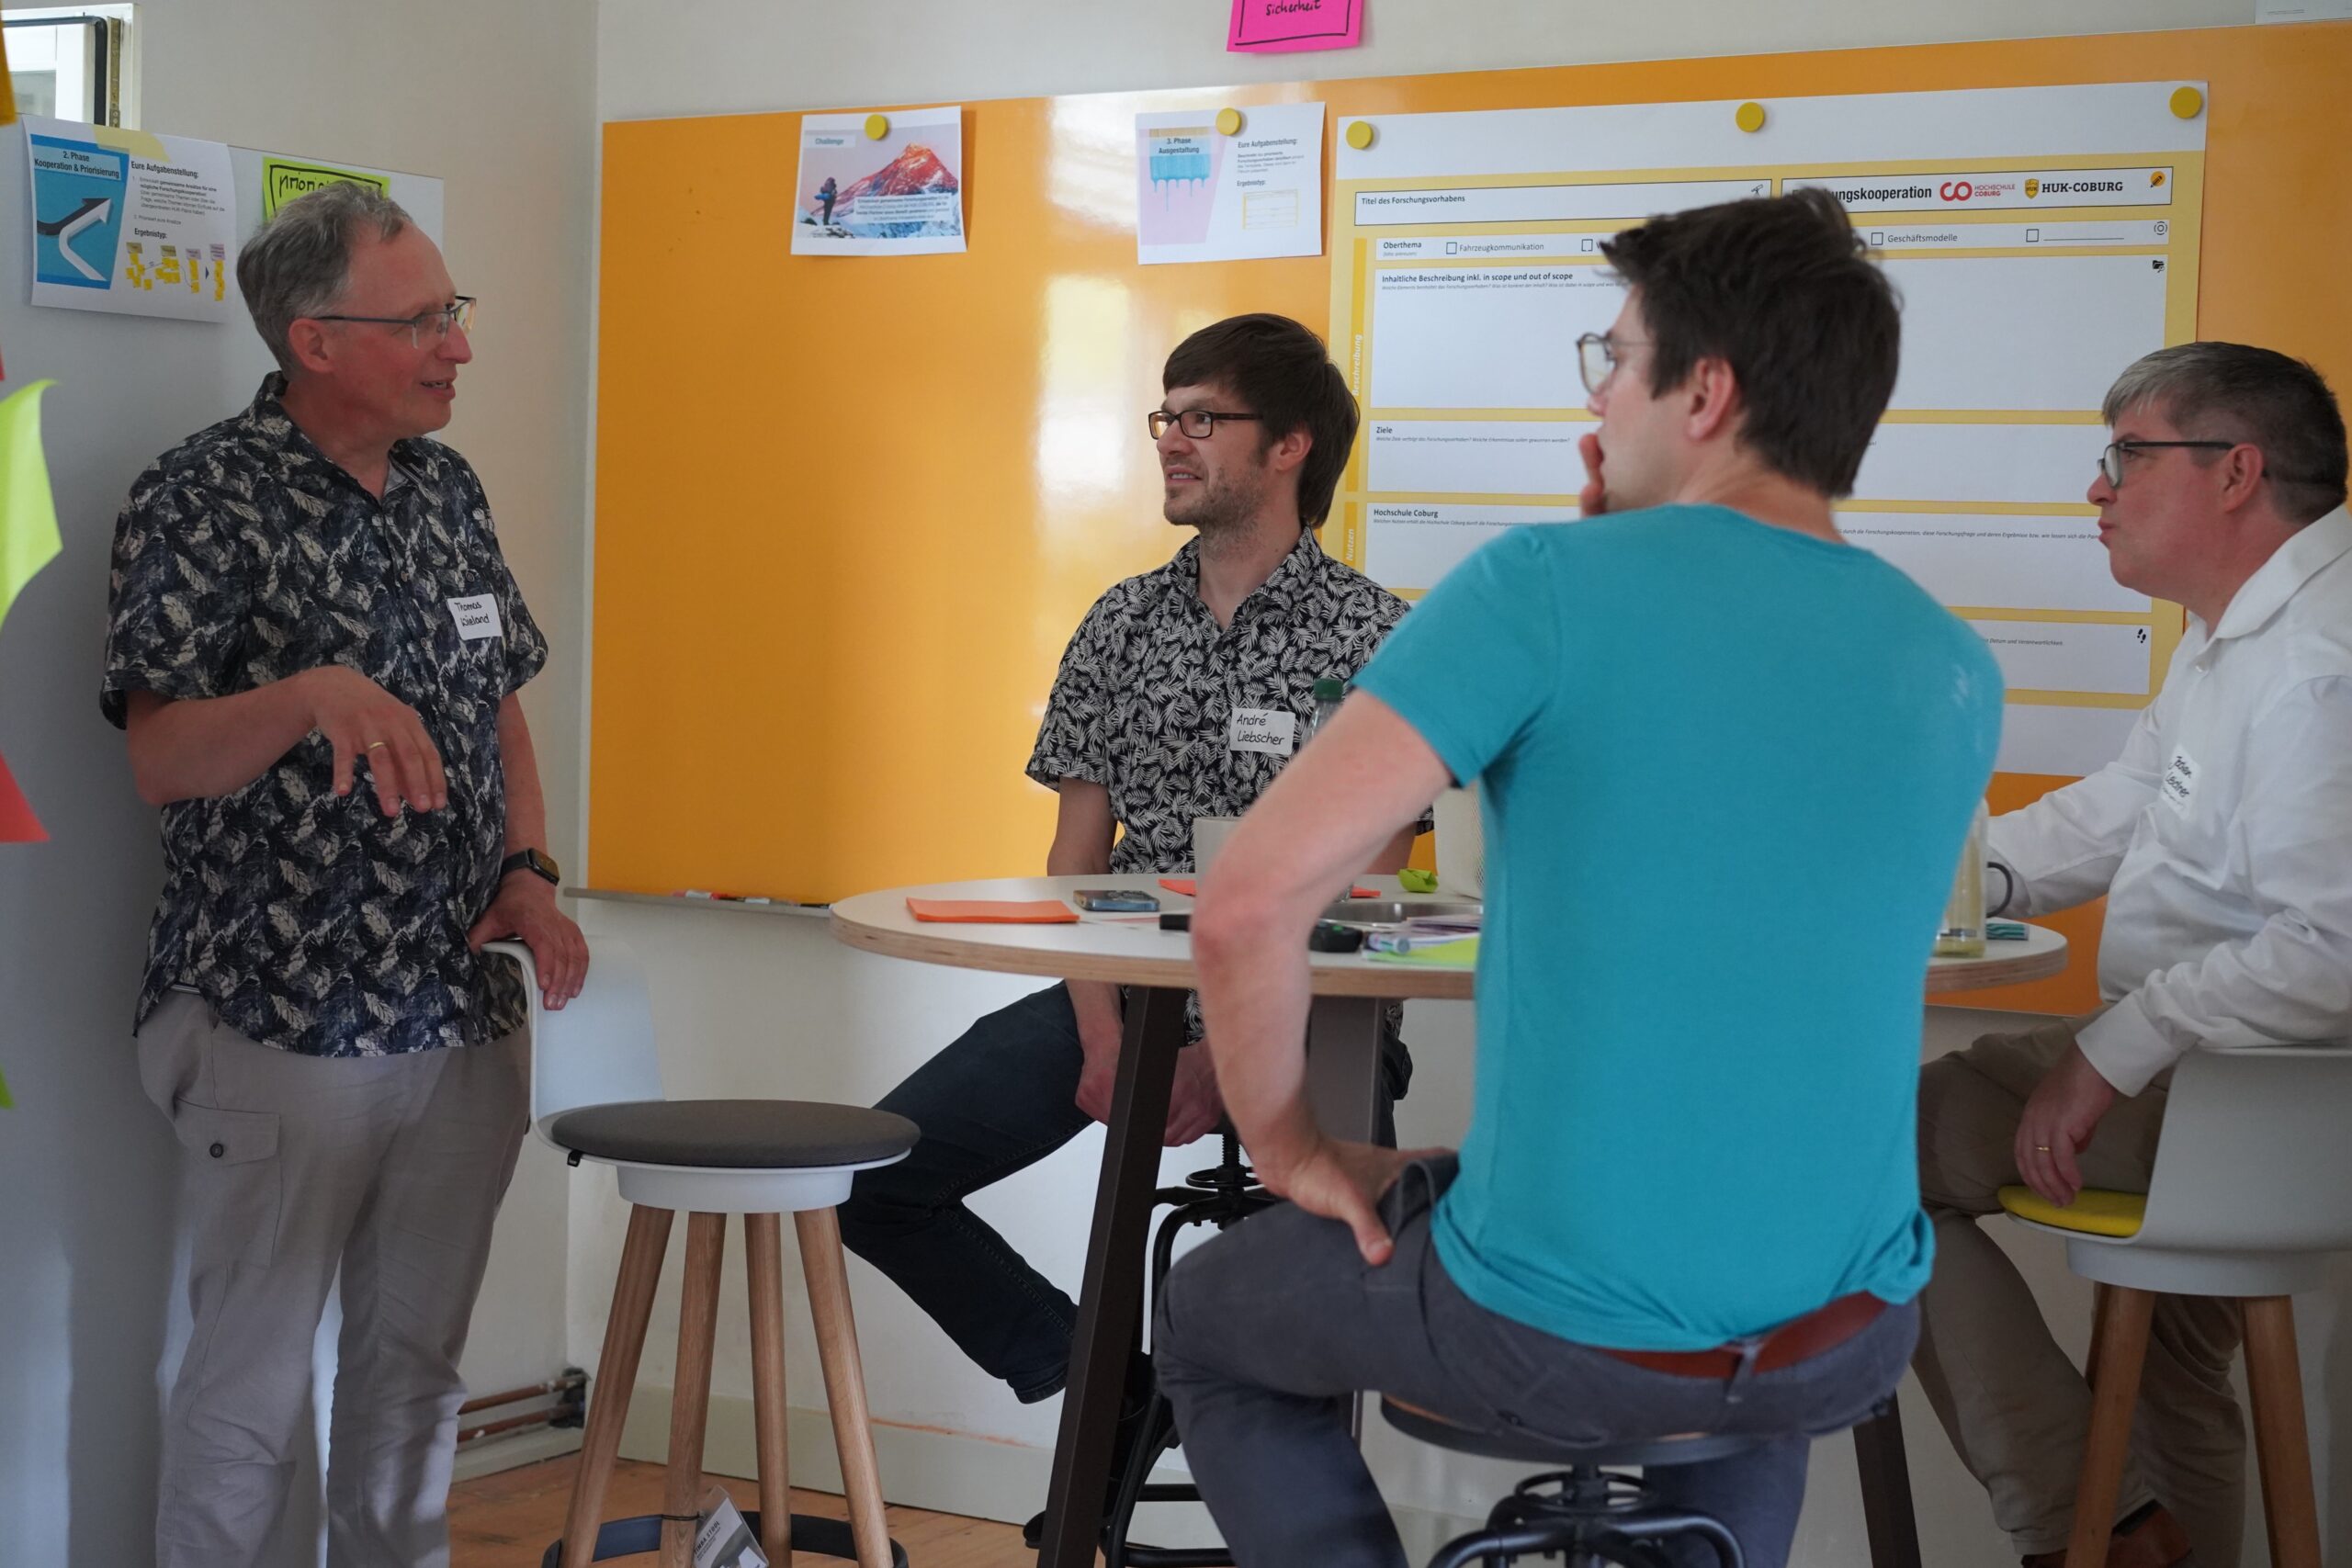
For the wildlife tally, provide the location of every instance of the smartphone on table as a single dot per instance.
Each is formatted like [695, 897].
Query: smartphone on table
[1113, 900]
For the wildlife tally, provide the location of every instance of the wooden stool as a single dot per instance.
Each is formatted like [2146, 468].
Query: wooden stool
[596, 1094]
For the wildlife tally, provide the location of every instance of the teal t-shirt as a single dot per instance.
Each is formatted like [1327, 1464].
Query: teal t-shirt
[1694, 1110]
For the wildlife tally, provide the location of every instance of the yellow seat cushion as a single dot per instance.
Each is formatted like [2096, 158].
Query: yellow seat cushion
[2095, 1212]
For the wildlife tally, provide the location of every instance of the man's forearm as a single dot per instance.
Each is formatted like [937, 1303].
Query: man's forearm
[1096, 1002]
[203, 748]
[1258, 1034]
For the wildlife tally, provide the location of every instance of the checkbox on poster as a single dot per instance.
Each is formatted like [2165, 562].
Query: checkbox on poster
[1586, 245]
[2033, 236]
[1878, 238]
[1451, 248]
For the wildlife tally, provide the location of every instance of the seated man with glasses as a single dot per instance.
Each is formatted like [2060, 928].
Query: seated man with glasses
[1687, 1200]
[1184, 692]
[316, 647]
[2222, 840]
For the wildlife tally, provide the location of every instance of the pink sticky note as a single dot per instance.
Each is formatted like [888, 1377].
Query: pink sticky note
[1273, 26]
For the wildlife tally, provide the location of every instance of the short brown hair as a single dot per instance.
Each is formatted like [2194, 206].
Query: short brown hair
[1281, 370]
[2256, 395]
[1782, 289]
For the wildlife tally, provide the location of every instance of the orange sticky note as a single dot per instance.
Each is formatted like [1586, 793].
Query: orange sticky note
[1185, 884]
[999, 911]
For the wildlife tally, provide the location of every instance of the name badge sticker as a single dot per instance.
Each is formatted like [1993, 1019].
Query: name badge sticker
[477, 617]
[1262, 729]
[2179, 785]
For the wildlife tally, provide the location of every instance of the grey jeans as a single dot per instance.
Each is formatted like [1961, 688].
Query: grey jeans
[1263, 1333]
[389, 1168]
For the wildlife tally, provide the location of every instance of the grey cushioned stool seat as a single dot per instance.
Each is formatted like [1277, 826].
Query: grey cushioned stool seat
[1579, 1510]
[734, 1134]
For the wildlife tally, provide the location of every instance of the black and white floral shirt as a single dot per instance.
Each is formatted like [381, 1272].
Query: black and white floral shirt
[313, 923]
[1178, 717]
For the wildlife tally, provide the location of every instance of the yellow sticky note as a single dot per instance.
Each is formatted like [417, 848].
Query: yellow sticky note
[8, 116]
[27, 512]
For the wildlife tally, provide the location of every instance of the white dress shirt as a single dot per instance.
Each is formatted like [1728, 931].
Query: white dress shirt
[2222, 835]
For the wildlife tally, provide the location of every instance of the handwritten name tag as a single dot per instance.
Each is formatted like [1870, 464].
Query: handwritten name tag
[2179, 786]
[1262, 729]
[477, 617]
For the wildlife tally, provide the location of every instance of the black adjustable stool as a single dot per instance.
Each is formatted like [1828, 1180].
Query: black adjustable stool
[1580, 1511]
[1222, 1195]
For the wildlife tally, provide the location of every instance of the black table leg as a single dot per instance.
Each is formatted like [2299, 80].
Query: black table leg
[1887, 1514]
[1112, 1295]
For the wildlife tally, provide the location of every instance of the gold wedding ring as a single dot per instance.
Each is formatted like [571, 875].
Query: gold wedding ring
[378, 744]
[2042, 1148]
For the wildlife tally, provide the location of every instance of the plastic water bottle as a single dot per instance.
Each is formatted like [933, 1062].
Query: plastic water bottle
[1961, 935]
[1329, 692]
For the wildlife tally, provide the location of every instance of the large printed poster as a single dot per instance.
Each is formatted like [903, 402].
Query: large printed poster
[2041, 239]
[898, 194]
[131, 222]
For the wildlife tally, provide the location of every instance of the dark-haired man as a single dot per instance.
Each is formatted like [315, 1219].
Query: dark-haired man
[1687, 1202]
[2222, 840]
[1183, 695]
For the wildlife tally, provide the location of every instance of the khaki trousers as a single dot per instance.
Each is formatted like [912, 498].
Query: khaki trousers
[2015, 1406]
[387, 1168]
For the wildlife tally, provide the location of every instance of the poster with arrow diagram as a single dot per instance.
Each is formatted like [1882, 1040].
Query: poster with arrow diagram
[131, 222]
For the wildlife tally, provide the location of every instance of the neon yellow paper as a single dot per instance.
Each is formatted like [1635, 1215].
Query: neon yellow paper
[27, 512]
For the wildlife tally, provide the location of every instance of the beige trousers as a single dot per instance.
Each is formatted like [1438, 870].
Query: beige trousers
[388, 1168]
[2015, 1406]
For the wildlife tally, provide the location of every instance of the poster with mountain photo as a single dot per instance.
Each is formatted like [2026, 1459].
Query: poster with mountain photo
[900, 194]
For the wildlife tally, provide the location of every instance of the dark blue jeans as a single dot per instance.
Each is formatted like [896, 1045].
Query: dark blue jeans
[998, 1101]
[1263, 1332]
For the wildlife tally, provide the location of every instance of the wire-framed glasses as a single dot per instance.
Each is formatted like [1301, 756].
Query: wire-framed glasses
[434, 324]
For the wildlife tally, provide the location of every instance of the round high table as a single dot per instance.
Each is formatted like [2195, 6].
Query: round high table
[1342, 1069]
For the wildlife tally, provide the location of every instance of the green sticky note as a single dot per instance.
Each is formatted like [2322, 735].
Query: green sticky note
[5, 1103]
[1414, 880]
[27, 512]
[283, 179]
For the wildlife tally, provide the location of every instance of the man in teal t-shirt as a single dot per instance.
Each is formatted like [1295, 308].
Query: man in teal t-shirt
[1688, 1197]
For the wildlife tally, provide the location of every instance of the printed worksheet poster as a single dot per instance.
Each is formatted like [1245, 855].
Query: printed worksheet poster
[1204, 193]
[131, 222]
[2041, 239]
[900, 194]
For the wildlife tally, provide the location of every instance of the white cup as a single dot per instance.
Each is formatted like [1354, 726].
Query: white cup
[1461, 845]
[1209, 834]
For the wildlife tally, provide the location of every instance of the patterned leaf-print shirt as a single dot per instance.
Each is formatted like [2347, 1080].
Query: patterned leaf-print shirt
[313, 923]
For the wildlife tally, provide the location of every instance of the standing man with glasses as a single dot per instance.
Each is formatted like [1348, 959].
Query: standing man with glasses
[315, 647]
[2222, 840]
[1183, 695]
[1687, 1200]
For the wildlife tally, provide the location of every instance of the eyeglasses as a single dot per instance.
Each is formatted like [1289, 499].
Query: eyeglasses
[1598, 357]
[2110, 462]
[458, 314]
[1198, 424]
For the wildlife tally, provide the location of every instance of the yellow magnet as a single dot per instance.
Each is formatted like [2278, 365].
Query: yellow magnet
[1229, 122]
[1749, 117]
[2185, 102]
[1359, 134]
[877, 126]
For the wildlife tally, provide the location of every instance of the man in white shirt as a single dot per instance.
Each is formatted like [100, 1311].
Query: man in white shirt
[2222, 839]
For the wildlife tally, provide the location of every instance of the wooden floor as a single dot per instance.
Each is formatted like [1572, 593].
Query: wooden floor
[506, 1520]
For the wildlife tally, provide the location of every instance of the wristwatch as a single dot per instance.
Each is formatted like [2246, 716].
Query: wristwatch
[531, 861]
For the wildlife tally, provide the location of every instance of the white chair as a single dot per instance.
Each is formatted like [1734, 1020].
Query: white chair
[596, 1094]
[2252, 1188]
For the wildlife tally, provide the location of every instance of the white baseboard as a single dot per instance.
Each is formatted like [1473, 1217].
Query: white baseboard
[946, 1472]
[511, 1453]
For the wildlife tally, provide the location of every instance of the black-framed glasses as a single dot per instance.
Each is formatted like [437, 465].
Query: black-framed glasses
[1198, 424]
[458, 314]
[2110, 462]
[1598, 357]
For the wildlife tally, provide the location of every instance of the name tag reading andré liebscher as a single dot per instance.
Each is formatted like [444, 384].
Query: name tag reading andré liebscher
[1262, 729]
[477, 617]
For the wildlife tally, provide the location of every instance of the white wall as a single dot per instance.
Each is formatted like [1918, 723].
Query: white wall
[767, 1005]
[498, 101]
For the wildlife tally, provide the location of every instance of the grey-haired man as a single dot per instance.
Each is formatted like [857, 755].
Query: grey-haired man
[314, 647]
